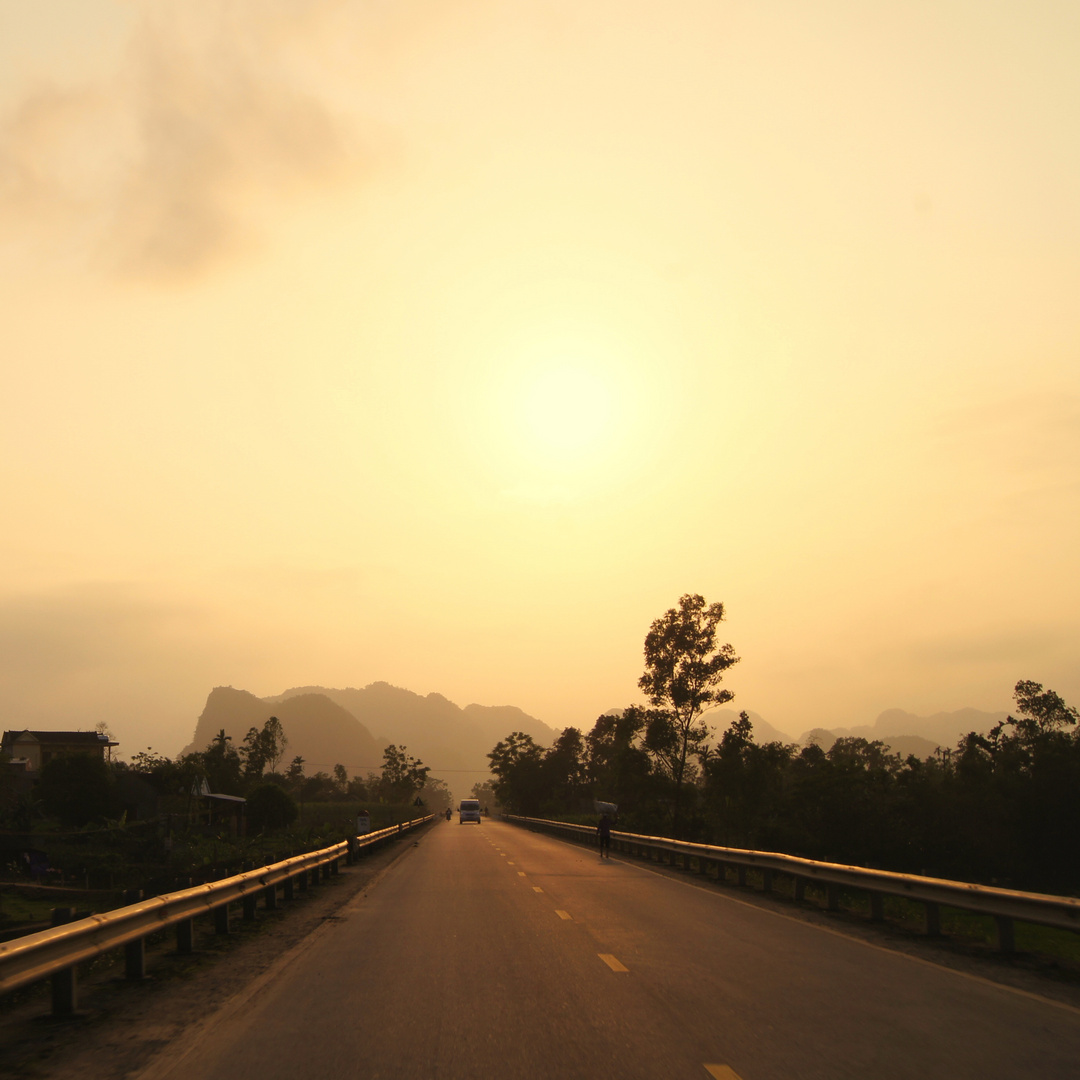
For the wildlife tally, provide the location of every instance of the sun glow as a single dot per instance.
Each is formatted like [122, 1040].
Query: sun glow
[566, 410]
[567, 406]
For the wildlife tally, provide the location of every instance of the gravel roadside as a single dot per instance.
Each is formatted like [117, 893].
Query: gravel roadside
[127, 1029]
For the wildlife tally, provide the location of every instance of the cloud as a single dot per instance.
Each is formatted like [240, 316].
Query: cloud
[152, 172]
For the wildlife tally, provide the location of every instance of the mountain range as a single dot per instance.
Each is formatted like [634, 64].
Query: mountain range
[903, 732]
[352, 727]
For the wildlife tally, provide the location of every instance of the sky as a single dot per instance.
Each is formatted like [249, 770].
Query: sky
[450, 343]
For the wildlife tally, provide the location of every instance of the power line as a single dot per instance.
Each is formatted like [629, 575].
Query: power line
[378, 768]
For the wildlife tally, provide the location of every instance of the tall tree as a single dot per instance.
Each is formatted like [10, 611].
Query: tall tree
[517, 763]
[263, 748]
[684, 667]
[403, 776]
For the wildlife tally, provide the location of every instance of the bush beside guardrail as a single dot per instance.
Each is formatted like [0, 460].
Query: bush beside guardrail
[54, 953]
[1004, 905]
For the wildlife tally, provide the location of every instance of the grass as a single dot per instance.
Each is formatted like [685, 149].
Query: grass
[963, 927]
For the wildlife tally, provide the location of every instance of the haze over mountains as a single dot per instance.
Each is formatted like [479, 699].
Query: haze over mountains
[903, 732]
[352, 727]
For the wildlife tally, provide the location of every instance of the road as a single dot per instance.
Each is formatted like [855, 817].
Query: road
[492, 952]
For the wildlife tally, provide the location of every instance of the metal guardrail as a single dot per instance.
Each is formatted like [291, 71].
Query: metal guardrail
[1004, 905]
[56, 951]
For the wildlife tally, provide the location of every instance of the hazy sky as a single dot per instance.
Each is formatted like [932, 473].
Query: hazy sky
[449, 343]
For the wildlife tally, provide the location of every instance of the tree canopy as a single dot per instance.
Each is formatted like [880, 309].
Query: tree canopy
[684, 667]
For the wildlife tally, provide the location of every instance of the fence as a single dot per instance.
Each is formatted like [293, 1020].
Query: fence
[55, 952]
[1004, 905]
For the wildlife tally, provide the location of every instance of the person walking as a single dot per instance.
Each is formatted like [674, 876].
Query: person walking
[603, 832]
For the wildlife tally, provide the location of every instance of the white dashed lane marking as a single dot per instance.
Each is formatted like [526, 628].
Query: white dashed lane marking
[612, 962]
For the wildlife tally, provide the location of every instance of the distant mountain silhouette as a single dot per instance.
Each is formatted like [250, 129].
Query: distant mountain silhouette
[764, 732]
[907, 733]
[318, 729]
[328, 726]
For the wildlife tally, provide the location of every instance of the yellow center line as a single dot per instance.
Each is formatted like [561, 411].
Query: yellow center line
[536, 888]
[562, 914]
[509, 864]
[612, 962]
[722, 1072]
[521, 873]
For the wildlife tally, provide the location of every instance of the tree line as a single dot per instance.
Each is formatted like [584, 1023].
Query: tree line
[82, 789]
[999, 808]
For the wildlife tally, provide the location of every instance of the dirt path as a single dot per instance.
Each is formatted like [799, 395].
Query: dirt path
[124, 1028]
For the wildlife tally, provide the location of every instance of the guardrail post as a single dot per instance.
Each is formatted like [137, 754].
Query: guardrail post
[185, 936]
[326, 871]
[933, 919]
[741, 872]
[877, 907]
[766, 881]
[249, 899]
[800, 888]
[287, 889]
[270, 897]
[832, 897]
[335, 869]
[350, 853]
[1005, 934]
[64, 984]
[134, 951]
[221, 920]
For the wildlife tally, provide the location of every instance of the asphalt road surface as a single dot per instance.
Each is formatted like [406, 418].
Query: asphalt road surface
[488, 953]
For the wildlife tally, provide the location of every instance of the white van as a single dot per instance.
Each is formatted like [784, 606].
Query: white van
[469, 810]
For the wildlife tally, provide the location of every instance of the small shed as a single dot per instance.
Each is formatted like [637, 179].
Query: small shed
[213, 808]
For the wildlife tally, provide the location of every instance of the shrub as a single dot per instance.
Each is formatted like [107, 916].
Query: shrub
[269, 807]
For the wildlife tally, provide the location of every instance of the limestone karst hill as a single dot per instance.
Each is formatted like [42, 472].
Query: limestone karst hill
[318, 729]
[352, 726]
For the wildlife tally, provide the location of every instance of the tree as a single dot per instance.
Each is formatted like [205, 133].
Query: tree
[275, 742]
[436, 796]
[220, 764]
[620, 769]
[294, 774]
[517, 763]
[168, 777]
[77, 789]
[341, 778]
[1045, 708]
[486, 794]
[403, 776]
[269, 806]
[263, 748]
[684, 667]
[564, 770]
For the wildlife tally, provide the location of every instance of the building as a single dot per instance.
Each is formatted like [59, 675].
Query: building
[30, 750]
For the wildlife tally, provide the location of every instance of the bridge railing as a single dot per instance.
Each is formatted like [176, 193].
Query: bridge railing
[55, 952]
[1004, 905]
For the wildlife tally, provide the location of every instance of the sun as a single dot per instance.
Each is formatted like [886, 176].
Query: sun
[563, 413]
[565, 409]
